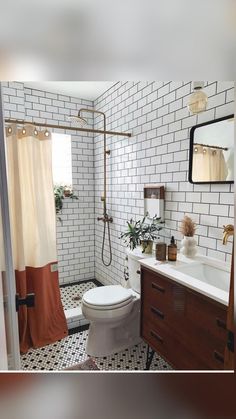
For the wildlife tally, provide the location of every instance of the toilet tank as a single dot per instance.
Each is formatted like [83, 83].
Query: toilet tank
[134, 267]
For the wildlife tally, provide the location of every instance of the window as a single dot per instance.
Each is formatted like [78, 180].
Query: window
[61, 159]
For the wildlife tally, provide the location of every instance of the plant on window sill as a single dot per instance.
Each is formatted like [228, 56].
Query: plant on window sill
[60, 193]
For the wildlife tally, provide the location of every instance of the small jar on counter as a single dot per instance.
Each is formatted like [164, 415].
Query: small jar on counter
[160, 251]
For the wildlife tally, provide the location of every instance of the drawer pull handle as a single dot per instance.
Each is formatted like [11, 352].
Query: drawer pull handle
[157, 312]
[218, 356]
[221, 323]
[138, 272]
[157, 287]
[156, 336]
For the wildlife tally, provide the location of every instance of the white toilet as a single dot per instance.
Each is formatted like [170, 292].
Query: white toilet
[114, 313]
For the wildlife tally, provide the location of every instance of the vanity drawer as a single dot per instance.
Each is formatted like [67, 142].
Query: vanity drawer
[160, 314]
[194, 352]
[171, 348]
[154, 314]
[208, 352]
[170, 309]
[155, 288]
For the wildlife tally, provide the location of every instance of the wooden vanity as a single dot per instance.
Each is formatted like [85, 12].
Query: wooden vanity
[185, 327]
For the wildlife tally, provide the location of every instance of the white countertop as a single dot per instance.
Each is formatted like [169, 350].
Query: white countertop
[167, 269]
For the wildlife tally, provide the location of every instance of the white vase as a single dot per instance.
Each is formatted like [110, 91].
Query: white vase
[188, 247]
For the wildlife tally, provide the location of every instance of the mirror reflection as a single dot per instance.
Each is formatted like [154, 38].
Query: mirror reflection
[212, 151]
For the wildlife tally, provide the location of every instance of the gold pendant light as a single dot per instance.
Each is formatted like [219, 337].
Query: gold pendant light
[198, 100]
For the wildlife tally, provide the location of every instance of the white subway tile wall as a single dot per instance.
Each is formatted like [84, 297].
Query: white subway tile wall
[75, 234]
[157, 152]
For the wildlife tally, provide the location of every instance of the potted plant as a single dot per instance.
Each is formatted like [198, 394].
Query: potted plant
[61, 192]
[188, 244]
[149, 232]
[67, 191]
[142, 233]
[132, 235]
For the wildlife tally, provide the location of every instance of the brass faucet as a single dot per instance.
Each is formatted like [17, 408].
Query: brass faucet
[228, 231]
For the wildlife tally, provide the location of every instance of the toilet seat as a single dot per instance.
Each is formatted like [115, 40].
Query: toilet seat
[107, 307]
[107, 297]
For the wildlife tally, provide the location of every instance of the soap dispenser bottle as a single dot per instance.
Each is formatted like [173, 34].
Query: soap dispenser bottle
[172, 250]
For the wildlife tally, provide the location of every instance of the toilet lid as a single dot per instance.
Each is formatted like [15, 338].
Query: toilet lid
[108, 295]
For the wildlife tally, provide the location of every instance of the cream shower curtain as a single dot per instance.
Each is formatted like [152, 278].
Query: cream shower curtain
[33, 229]
[208, 164]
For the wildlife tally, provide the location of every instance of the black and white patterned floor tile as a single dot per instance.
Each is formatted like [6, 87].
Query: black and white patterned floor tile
[69, 292]
[72, 350]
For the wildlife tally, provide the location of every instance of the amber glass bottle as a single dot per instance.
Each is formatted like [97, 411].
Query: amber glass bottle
[172, 250]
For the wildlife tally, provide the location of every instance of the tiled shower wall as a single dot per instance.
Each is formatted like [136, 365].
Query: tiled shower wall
[75, 235]
[156, 115]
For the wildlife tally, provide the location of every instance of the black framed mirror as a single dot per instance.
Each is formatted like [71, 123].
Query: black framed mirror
[211, 156]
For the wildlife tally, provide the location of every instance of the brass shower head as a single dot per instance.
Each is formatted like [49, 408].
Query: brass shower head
[81, 121]
[78, 120]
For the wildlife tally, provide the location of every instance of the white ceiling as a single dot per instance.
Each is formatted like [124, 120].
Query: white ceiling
[89, 90]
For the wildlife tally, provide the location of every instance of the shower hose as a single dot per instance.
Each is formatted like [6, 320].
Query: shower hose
[109, 241]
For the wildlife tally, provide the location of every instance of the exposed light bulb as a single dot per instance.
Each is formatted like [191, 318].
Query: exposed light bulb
[35, 132]
[198, 100]
[9, 130]
[46, 133]
[23, 131]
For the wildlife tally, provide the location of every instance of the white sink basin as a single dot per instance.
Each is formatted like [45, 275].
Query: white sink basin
[208, 274]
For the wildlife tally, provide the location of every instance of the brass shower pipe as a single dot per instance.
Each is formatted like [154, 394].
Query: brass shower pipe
[106, 218]
[106, 152]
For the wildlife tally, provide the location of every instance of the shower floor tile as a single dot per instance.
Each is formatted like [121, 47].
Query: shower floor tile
[72, 350]
[70, 292]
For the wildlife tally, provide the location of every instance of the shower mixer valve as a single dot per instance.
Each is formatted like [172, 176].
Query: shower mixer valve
[105, 219]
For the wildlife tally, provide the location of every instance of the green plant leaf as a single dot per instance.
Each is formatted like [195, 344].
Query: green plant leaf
[59, 195]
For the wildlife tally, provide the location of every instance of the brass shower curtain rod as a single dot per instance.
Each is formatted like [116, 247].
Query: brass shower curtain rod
[40, 124]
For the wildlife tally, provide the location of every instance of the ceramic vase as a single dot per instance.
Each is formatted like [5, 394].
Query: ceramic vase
[188, 247]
